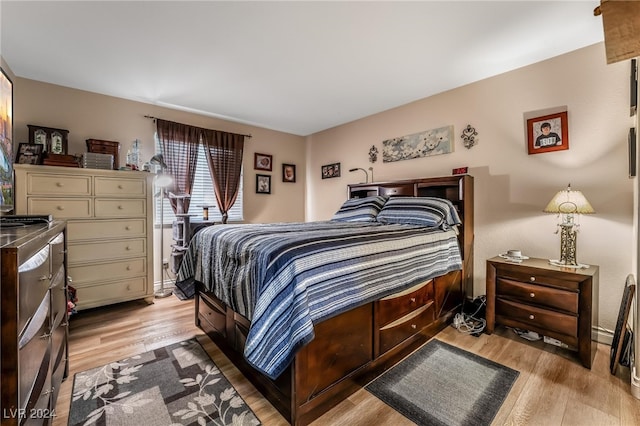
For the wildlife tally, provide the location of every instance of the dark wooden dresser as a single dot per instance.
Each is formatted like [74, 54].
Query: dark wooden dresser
[34, 333]
[557, 302]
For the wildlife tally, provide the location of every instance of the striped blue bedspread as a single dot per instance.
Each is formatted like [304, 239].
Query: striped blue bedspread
[285, 277]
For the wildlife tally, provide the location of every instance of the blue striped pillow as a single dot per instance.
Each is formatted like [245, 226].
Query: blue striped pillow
[360, 209]
[422, 211]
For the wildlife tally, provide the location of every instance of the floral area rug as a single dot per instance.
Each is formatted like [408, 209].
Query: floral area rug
[174, 385]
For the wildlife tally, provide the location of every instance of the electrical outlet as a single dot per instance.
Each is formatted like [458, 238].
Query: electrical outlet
[165, 264]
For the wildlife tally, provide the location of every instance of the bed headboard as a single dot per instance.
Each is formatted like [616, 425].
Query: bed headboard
[458, 189]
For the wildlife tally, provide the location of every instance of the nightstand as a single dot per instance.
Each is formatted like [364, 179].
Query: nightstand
[553, 301]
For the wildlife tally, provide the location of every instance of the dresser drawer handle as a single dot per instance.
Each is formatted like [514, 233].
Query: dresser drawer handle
[413, 300]
[45, 336]
[532, 279]
[532, 294]
[128, 268]
[414, 326]
[50, 391]
[532, 317]
[127, 228]
[59, 184]
[43, 278]
[119, 186]
[69, 279]
[120, 207]
[129, 248]
[60, 208]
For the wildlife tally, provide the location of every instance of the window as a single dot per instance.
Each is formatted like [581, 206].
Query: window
[201, 194]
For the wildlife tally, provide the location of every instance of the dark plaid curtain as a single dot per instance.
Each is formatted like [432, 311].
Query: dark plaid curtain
[179, 143]
[225, 165]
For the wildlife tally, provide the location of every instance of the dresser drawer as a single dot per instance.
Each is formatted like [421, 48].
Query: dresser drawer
[56, 247]
[535, 318]
[106, 250]
[536, 294]
[104, 293]
[120, 207]
[33, 358]
[213, 313]
[54, 184]
[91, 230]
[61, 208]
[402, 329]
[119, 187]
[33, 281]
[398, 305]
[88, 273]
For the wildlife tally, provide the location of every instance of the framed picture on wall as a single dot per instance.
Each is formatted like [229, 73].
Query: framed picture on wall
[548, 133]
[288, 173]
[263, 184]
[331, 171]
[262, 162]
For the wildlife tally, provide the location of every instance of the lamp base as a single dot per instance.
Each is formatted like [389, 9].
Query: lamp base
[163, 292]
[556, 262]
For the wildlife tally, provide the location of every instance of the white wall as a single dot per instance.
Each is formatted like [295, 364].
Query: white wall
[512, 187]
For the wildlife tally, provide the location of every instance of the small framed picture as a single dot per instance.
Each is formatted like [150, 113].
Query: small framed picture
[29, 153]
[262, 161]
[331, 171]
[54, 141]
[548, 133]
[288, 173]
[263, 184]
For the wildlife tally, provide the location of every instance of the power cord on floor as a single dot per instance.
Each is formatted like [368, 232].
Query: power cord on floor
[471, 323]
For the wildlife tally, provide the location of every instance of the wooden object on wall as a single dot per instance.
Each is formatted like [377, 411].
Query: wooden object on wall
[621, 323]
[621, 23]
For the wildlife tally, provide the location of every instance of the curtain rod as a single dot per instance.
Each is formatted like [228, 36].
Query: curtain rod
[156, 118]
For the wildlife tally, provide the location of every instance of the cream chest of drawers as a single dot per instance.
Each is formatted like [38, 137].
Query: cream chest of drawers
[109, 218]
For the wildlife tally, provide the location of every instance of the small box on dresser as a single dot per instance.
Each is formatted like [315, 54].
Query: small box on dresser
[558, 302]
[109, 218]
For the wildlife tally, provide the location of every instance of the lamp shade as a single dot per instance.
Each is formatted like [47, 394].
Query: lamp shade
[568, 201]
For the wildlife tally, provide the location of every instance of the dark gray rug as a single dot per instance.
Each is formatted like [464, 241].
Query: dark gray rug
[440, 384]
[174, 385]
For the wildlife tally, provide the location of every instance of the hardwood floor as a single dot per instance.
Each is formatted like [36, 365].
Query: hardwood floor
[552, 389]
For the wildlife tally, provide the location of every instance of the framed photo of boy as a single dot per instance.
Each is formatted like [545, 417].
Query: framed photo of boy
[263, 184]
[288, 173]
[548, 133]
[262, 161]
[29, 153]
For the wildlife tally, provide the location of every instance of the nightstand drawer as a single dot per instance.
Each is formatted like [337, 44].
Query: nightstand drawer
[534, 276]
[537, 294]
[539, 319]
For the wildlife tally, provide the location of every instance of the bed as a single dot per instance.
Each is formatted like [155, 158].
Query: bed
[311, 312]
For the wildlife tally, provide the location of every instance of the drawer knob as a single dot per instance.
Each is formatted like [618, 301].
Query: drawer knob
[69, 279]
[532, 317]
[127, 228]
[120, 207]
[414, 326]
[129, 248]
[45, 336]
[128, 267]
[532, 279]
[128, 287]
[43, 278]
[59, 184]
[60, 208]
[532, 294]
[119, 186]
[413, 300]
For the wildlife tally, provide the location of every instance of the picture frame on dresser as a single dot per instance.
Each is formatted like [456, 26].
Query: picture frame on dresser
[29, 153]
[53, 141]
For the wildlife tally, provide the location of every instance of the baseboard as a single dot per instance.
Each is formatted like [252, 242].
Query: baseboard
[602, 336]
[167, 285]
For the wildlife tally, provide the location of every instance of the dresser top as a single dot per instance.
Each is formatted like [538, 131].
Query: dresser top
[15, 236]
[545, 265]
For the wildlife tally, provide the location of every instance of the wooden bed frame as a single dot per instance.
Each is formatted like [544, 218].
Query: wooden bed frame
[351, 349]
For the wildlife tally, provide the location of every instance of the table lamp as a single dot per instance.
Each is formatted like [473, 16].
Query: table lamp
[567, 203]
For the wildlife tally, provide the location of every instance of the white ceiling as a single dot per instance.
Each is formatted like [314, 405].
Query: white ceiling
[298, 67]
